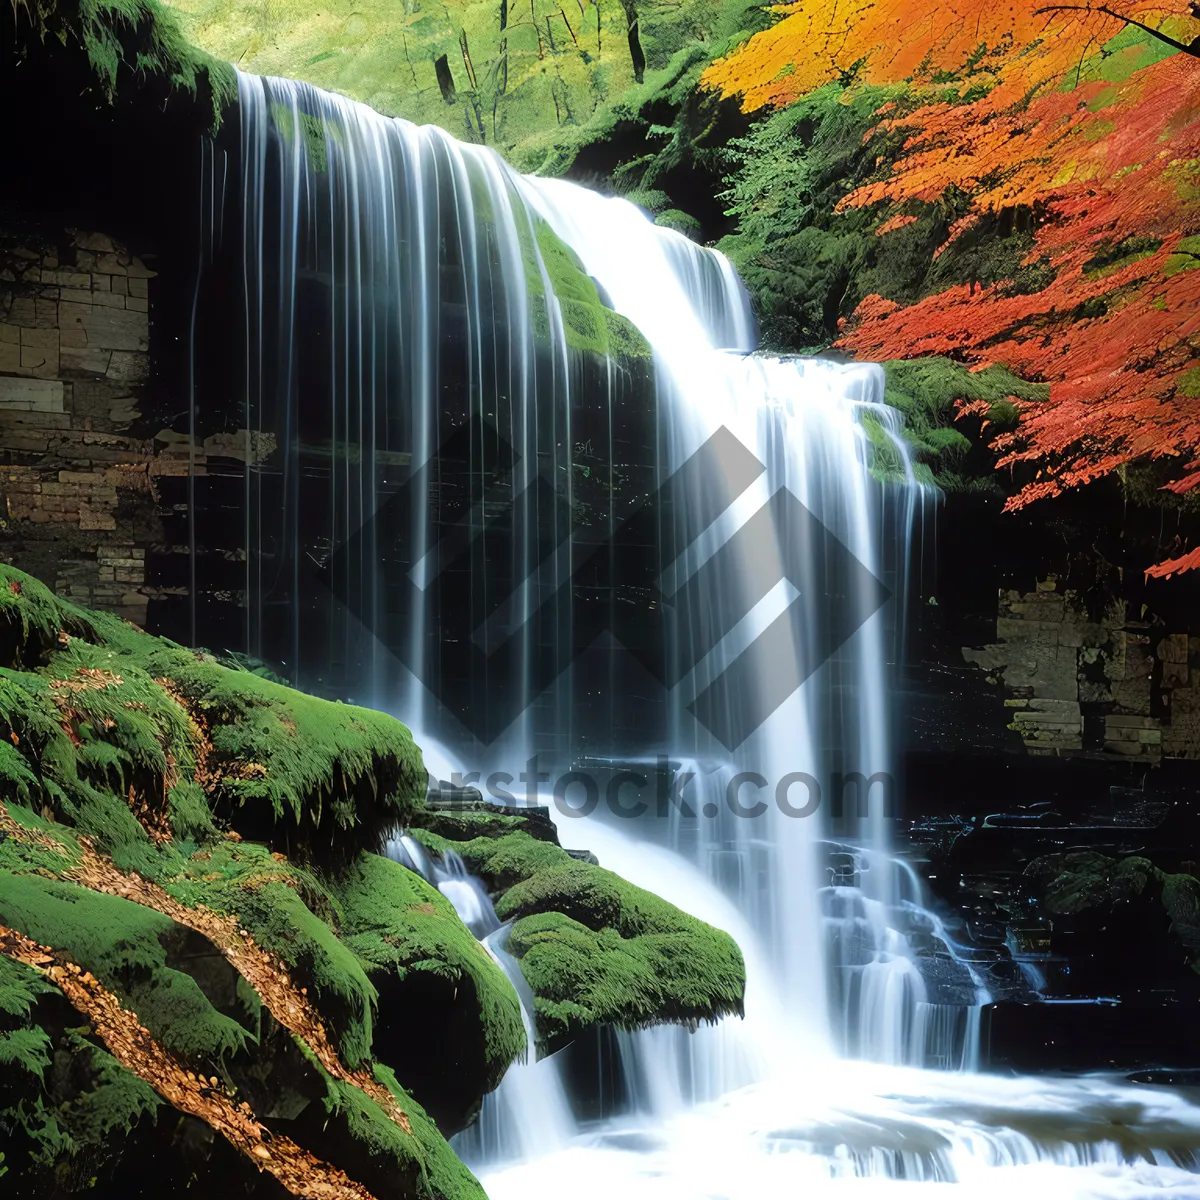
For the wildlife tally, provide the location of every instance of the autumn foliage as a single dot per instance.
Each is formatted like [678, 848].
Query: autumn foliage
[1046, 118]
[1024, 44]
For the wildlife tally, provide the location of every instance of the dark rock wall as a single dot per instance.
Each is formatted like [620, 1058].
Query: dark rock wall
[91, 474]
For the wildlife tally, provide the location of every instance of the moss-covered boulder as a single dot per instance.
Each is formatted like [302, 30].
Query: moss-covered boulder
[207, 974]
[430, 975]
[589, 325]
[98, 709]
[594, 948]
[1086, 885]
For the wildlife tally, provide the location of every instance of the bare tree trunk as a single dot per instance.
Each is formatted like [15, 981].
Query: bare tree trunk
[568, 25]
[635, 42]
[408, 60]
[503, 54]
[441, 67]
[538, 30]
[474, 93]
[466, 54]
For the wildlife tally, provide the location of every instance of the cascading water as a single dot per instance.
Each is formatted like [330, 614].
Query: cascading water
[528, 1115]
[447, 350]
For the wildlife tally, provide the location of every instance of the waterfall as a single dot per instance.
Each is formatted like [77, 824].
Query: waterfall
[445, 357]
[529, 1114]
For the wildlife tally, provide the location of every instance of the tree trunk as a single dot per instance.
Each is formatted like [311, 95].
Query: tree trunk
[445, 80]
[503, 50]
[635, 42]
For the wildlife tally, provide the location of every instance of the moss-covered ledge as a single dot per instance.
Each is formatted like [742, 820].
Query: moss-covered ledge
[180, 1003]
[594, 948]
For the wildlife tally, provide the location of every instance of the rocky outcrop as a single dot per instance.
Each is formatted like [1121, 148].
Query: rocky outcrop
[595, 949]
[202, 963]
[208, 974]
[1085, 883]
[1104, 682]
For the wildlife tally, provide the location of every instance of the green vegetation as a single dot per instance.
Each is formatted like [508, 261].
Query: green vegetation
[127, 43]
[806, 264]
[594, 948]
[121, 752]
[156, 801]
[1084, 880]
[114, 712]
[588, 325]
[533, 80]
[926, 391]
[71, 1098]
[124, 946]
[398, 925]
[388, 1160]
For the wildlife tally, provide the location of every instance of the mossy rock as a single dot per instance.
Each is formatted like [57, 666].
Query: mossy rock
[461, 819]
[594, 948]
[430, 973]
[134, 775]
[589, 326]
[926, 391]
[96, 708]
[1086, 882]
[680, 221]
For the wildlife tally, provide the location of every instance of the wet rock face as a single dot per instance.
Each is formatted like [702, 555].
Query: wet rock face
[946, 981]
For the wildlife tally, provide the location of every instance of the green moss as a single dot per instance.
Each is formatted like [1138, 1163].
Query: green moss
[925, 391]
[680, 221]
[310, 776]
[121, 943]
[499, 861]
[31, 617]
[583, 977]
[588, 325]
[128, 41]
[313, 135]
[1185, 257]
[388, 1160]
[465, 820]
[171, 762]
[444, 1174]
[397, 925]
[1083, 881]
[318, 770]
[190, 816]
[1188, 383]
[594, 948]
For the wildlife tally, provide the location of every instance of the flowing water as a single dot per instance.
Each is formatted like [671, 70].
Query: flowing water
[781, 619]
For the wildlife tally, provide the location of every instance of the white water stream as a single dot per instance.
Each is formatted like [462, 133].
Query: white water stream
[819, 1090]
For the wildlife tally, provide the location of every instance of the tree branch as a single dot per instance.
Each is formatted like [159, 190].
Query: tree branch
[1193, 49]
